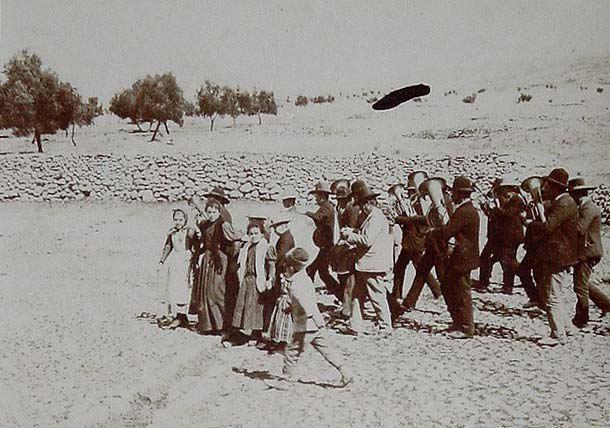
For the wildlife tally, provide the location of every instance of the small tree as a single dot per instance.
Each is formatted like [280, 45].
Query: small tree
[33, 100]
[247, 103]
[208, 102]
[123, 104]
[265, 104]
[229, 104]
[155, 98]
[160, 99]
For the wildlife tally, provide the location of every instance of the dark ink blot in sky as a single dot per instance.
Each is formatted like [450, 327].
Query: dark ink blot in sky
[399, 96]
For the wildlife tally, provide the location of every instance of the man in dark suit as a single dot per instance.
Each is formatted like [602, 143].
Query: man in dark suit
[463, 226]
[343, 257]
[323, 237]
[414, 225]
[590, 252]
[559, 237]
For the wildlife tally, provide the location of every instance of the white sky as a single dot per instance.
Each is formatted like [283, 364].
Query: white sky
[301, 46]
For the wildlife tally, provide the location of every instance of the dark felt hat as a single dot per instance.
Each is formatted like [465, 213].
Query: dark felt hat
[462, 184]
[558, 176]
[361, 192]
[218, 193]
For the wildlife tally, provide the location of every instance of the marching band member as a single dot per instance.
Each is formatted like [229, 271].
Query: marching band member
[559, 236]
[414, 226]
[590, 252]
[455, 283]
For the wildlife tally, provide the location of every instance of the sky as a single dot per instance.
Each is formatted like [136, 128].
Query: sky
[293, 47]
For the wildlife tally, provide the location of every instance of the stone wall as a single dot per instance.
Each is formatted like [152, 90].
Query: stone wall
[151, 178]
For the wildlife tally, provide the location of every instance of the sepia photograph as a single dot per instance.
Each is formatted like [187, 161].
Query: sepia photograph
[304, 213]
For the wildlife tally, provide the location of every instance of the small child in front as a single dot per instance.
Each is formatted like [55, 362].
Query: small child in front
[307, 322]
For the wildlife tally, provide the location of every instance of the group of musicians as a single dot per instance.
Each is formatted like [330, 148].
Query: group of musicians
[553, 217]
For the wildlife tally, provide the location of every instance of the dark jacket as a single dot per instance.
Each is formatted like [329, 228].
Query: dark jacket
[324, 218]
[589, 231]
[285, 243]
[414, 230]
[559, 246]
[464, 226]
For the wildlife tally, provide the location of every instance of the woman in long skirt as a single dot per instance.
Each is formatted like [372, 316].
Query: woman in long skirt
[176, 259]
[209, 294]
[256, 271]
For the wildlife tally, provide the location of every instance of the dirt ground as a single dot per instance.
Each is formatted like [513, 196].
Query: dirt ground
[73, 279]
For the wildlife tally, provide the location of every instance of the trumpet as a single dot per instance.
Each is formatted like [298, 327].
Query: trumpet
[533, 186]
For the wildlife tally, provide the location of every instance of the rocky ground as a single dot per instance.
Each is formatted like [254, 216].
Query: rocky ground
[75, 277]
[78, 252]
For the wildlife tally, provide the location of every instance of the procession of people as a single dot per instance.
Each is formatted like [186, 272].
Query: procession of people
[258, 288]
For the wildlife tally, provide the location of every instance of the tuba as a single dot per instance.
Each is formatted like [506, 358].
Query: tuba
[414, 179]
[533, 186]
[434, 188]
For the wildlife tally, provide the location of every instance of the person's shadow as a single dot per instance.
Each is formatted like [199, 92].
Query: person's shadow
[266, 375]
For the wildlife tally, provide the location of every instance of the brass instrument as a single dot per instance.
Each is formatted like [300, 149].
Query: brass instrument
[414, 179]
[434, 188]
[533, 187]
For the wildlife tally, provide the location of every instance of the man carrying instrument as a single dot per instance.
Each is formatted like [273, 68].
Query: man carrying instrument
[414, 225]
[455, 283]
[504, 235]
[436, 249]
[529, 270]
[559, 236]
[590, 252]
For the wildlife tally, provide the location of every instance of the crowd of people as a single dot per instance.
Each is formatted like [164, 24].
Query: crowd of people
[258, 288]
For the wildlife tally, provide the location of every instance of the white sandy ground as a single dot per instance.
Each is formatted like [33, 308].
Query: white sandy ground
[73, 278]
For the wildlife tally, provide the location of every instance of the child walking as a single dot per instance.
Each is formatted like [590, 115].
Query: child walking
[176, 262]
[280, 326]
[256, 272]
[308, 324]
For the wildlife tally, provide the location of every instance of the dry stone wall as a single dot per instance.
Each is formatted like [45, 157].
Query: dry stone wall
[175, 177]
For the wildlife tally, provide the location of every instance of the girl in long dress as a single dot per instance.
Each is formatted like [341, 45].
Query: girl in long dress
[176, 260]
[280, 328]
[210, 294]
[256, 272]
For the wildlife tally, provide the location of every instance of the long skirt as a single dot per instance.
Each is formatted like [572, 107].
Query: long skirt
[248, 315]
[178, 282]
[211, 293]
[280, 328]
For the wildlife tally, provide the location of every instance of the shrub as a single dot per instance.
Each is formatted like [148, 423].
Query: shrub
[301, 101]
[524, 98]
[470, 99]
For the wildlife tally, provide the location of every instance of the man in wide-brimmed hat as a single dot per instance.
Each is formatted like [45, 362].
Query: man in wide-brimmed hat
[463, 226]
[218, 194]
[558, 247]
[590, 252]
[343, 256]
[323, 237]
[374, 249]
